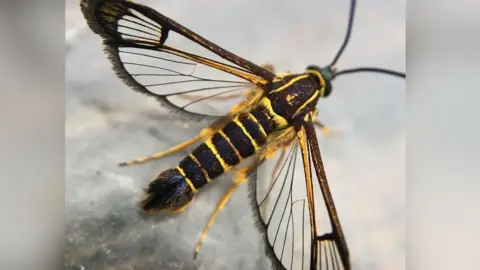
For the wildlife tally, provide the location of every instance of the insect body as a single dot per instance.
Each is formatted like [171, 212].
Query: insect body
[277, 114]
[288, 99]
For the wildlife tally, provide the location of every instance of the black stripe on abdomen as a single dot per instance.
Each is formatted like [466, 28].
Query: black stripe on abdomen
[193, 171]
[208, 161]
[239, 139]
[264, 120]
[225, 150]
[254, 129]
[235, 141]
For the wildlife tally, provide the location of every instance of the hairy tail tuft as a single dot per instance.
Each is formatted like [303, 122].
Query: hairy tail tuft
[168, 192]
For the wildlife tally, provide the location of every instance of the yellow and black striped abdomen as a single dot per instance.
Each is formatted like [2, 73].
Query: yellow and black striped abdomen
[236, 141]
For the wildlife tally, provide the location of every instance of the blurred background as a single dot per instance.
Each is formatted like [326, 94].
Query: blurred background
[106, 123]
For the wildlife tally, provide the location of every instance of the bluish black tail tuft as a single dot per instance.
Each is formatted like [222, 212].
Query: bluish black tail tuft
[168, 192]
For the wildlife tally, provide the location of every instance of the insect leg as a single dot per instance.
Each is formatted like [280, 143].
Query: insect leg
[326, 131]
[203, 135]
[240, 176]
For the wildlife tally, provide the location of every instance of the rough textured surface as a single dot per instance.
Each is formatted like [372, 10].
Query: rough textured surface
[108, 123]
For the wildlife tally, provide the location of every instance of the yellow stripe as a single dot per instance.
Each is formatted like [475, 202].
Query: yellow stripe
[186, 179]
[252, 117]
[201, 167]
[212, 147]
[245, 131]
[315, 95]
[279, 120]
[318, 74]
[302, 139]
[321, 79]
[322, 91]
[292, 81]
[279, 76]
[231, 144]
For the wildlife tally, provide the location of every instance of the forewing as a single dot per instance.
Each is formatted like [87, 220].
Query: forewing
[301, 231]
[161, 58]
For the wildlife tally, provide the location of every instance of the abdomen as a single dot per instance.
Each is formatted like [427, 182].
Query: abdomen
[174, 188]
[236, 141]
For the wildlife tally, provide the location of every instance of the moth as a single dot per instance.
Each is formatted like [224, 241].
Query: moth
[272, 115]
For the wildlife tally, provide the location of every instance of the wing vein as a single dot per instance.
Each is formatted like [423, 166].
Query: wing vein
[157, 57]
[138, 38]
[276, 178]
[148, 26]
[281, 191]
[214, 95]
[138, 30]
[286, 202]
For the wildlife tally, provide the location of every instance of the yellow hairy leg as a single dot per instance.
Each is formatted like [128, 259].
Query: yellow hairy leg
[326, 131]
[205, 133]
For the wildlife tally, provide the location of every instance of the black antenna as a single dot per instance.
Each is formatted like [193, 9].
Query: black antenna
[342, 48]
[349, 32]
[371, 69]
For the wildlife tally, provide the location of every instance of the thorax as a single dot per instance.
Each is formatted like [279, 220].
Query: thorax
[292, 95]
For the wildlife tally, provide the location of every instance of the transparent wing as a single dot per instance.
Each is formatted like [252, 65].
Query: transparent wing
[161, 58]
[300, 229]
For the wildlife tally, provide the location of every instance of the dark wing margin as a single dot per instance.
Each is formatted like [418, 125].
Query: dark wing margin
[333, 241]
[135, 38]
[299, 231]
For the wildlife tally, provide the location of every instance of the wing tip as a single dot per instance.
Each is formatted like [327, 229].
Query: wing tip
[104, 24]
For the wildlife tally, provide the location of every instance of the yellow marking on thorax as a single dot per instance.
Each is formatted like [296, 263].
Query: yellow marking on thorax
[245, 131]
[231, 144]
[313, 115]
[312, 98]
[201, 167]
[212, 147]
[279, 120]
[252, 117]
[292, 81]
[322, 91]
[186, 179]
[279, 76]
[290, 97]
[321, 79]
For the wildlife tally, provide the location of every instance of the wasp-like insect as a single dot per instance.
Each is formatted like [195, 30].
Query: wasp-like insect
[276, 114]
